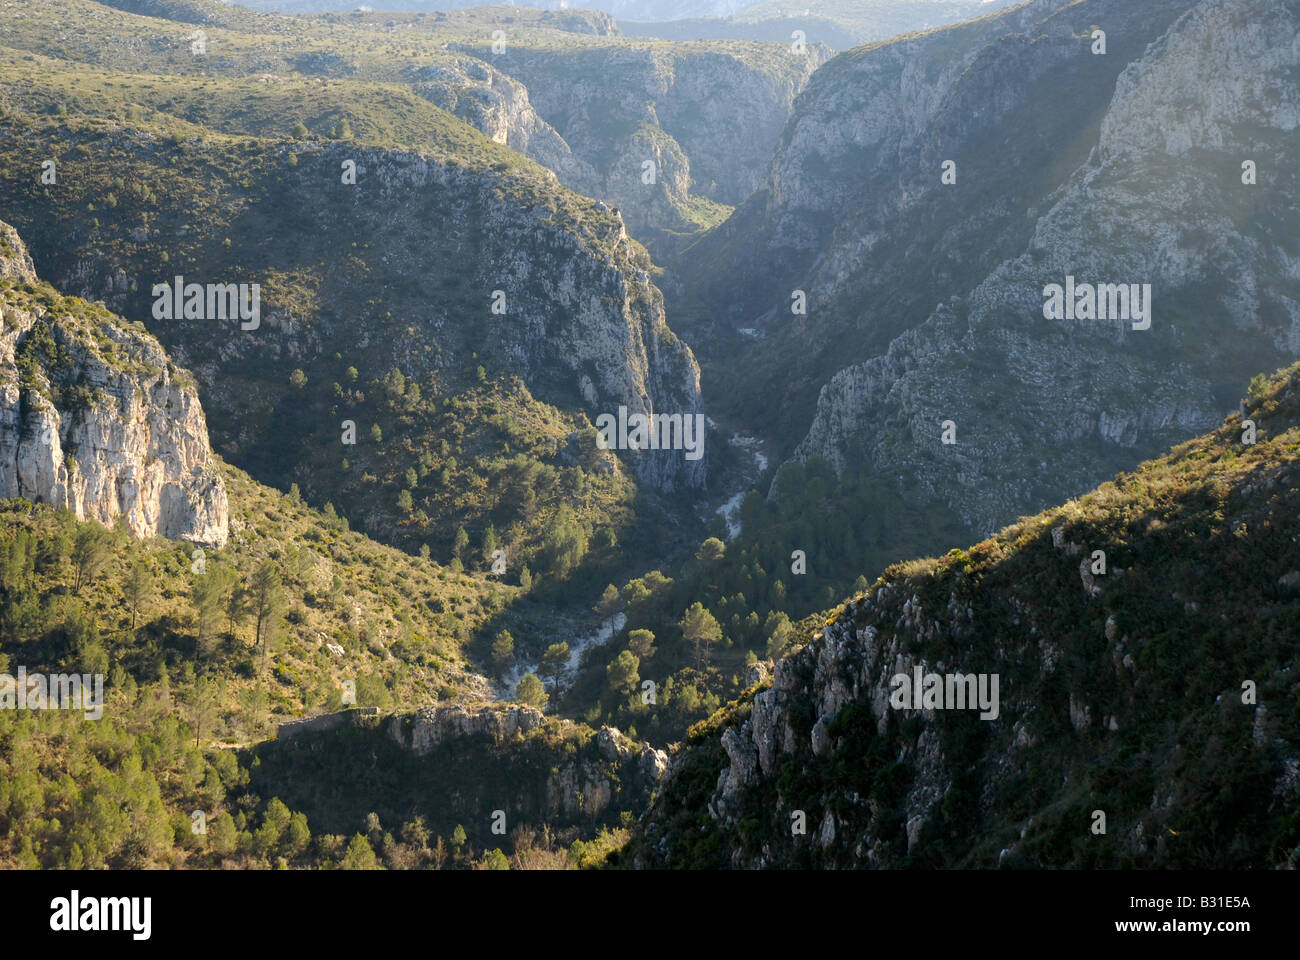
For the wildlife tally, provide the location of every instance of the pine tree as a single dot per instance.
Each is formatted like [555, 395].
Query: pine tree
[90, 553]
[642, 644]
[700, 630]
[360, 856]
[554, 662]
[529, 691]
[622, 673]
[503, 651]
[206, 599]
[135, 588]
[266, 600]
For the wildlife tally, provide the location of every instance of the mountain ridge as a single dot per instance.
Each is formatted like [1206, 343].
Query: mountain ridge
[1132, 676]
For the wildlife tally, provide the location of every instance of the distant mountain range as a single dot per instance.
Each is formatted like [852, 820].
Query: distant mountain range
[838, 24]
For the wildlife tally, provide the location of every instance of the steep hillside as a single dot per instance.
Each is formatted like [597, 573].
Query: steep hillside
[1142, 639]
[853, 210]
[925, 360]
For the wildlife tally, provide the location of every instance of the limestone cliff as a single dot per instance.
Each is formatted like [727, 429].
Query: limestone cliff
[498, 106]
[580, 784]
[94, 417]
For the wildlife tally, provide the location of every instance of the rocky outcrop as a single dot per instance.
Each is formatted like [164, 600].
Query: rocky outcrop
[615, 746]
[579, 786]
[1162, 201]
[15, 260]
[431, 727]
[324, 723]
[464, 765]
[576, 783]
[94, 417]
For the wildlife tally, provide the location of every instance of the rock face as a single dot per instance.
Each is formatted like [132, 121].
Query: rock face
[322, 724]
[583, 326]
[94, 417]
[1044, 408]
[853, 210]
[431, 727]
[584, 323]
[465, 765]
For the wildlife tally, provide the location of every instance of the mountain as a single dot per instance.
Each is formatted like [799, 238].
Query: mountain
[868, 21]
[594, 106]
[309, 353]
[826, 33]
[836, 23]
[707, 114]
[1134, 653]
[925, 299]
[639, 9]
[1162, 200]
